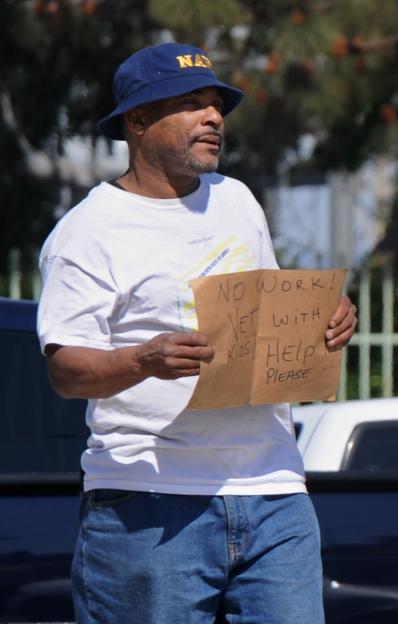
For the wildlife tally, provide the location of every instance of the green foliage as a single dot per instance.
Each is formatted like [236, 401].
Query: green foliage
[57, 61]
[63, 61]
[325, 67]
[334, 75]
[191, 19]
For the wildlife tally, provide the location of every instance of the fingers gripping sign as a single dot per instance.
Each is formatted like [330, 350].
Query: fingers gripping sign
[342, 324]
[173, 355]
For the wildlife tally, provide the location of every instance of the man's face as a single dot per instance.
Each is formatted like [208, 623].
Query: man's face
[184, 134]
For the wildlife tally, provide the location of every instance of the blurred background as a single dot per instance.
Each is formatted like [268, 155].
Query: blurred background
[316, 138]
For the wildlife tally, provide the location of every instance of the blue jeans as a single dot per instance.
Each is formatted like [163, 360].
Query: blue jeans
[146, 558]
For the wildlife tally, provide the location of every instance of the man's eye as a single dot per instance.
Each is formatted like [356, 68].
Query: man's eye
[191, 102]
[197, 104]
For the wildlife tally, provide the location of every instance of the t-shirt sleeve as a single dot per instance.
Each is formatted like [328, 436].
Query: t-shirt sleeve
[75, 306]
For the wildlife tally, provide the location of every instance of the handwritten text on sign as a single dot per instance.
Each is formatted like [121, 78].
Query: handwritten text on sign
[268, 329]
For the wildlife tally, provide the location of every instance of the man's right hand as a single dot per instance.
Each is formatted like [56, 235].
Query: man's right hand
[83, 372]
[173, 355]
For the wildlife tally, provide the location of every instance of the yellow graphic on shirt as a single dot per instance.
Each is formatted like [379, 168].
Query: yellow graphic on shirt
[230, 256]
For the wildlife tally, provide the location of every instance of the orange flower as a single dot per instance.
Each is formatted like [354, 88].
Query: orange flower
[388, 113]
[88, 7]
[261, 97]
[242, 81]
[52, 7]
[340, 47]
[273, 63]
[298, 17]
[308, 66]
[39, 7]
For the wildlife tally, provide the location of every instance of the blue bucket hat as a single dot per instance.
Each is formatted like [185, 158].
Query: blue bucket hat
[159, 72]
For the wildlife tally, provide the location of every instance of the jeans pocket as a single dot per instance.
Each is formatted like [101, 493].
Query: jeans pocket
[108, 497]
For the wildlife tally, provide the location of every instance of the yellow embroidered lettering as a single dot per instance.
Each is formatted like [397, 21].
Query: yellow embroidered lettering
[185, 61]
[199, 62]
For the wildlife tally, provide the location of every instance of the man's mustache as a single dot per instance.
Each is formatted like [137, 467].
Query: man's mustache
[213, 136]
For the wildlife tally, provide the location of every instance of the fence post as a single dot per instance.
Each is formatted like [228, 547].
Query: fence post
[342, 391]
[36, 279]
[364, 330]
[388, 329]
[14, 272]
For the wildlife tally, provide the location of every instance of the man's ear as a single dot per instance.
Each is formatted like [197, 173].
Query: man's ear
[134, 121]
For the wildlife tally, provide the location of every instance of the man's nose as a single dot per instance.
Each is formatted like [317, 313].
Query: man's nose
[212, 114]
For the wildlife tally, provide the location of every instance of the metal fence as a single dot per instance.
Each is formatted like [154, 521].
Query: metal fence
[365, 373]
[19, 282]
[366, 338]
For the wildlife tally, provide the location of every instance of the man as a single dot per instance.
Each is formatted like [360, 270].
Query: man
[186, 515]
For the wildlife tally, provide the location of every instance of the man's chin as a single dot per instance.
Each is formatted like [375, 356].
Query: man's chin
[199, 166]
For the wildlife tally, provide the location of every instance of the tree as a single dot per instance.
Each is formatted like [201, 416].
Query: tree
[325, 68]
[329, 70]
[57, 59]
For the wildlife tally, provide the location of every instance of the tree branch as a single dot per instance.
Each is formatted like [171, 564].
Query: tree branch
[37, 162]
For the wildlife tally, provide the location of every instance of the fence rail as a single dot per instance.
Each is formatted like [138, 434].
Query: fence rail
[18, 284]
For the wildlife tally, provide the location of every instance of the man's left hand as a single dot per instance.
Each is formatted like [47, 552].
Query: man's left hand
[342, 325]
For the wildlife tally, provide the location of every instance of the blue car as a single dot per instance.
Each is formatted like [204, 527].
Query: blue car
[42, 438]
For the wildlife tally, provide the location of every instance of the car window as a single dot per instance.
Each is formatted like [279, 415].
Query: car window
[40, 432]
[373, 446]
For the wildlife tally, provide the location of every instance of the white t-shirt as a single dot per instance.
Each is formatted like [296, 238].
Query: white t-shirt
[115, 273]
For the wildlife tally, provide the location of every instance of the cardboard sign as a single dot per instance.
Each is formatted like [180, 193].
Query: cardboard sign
[268, 330]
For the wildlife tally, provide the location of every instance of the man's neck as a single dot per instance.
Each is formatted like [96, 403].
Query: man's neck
[157, 185]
